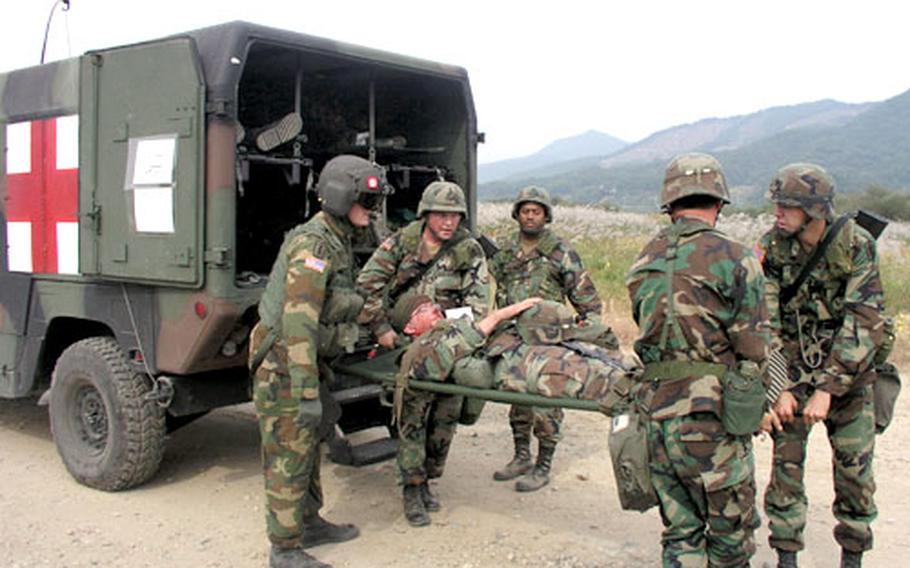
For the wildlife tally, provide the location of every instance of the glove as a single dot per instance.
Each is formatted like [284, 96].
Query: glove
[309, 414]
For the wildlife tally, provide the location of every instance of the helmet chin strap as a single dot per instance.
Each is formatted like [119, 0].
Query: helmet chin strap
[805, 224]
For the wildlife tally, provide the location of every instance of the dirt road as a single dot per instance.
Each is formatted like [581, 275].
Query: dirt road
[205, 506]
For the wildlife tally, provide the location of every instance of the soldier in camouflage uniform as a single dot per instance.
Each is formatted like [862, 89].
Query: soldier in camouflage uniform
[698, 299]
[543, 351]
[437, 257]
[830, 330]
[536, 262]
[307, 315]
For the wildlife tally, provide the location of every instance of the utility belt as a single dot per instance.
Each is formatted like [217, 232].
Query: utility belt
[744, 394]
[666, 370]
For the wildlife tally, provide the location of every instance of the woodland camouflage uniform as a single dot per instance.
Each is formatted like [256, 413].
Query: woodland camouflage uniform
[307, 317]
[456, 277]
[554, 271]
[831, 331]
[524, 358]
[717, 320]
[319, 264]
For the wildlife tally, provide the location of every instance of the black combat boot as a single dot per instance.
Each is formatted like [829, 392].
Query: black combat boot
[786, 559]
[430, 501]
[540, 475]
[317, 530]
[520, 464]
[293, 558]
[850, 559]
[414, 509]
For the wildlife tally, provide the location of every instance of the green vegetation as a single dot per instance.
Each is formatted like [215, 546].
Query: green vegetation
[608, 261]
[609, 242]
[877, 199]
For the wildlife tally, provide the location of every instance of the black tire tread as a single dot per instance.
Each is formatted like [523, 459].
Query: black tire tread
[144, 420]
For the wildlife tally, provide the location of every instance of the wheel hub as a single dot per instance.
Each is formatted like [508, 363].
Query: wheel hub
[92, 418]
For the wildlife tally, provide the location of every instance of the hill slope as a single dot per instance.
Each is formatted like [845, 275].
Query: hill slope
[859, 144]
[590, 143]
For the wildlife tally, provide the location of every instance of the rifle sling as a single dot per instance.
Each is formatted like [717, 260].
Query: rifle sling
[786, 294]
[418, 275]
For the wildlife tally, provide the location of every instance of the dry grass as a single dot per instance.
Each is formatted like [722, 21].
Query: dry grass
[609, 242]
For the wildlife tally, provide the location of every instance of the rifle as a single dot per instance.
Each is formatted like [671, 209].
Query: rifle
[873, 223]
[488, 245]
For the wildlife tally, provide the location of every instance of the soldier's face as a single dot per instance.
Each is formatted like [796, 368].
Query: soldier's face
[531, 218]
[423, 319]
[443, 225]
[359, 216]
[789, 220]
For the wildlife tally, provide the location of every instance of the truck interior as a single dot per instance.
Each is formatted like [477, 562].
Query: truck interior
[297, 109]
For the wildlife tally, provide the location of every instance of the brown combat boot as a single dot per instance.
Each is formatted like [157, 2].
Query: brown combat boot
[786, 559]
[520, 464]
[293, 558]
[540, 475]
[850, 559]
[414, 509]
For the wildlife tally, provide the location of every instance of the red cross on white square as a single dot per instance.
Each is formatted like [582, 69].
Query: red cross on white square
[42, 180]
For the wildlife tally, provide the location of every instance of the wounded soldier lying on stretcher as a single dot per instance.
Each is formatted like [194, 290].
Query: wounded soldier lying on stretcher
[542, 351]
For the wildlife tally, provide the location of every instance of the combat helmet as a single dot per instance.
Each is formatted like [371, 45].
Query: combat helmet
[442, 197]
[693, 174]
[806, 186]
[547, 322]
[533, 194]
[550, 323]
[346, 180]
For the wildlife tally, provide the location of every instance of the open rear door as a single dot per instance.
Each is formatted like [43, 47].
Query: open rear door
[141, 135]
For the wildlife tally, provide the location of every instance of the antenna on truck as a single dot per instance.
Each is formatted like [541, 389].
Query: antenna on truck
[47, 28]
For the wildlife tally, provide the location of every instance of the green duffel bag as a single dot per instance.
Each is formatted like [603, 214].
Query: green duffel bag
[744, 399]
[885, 389]
[631, 462]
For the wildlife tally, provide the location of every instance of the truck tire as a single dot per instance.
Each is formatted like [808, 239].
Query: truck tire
[109, 435]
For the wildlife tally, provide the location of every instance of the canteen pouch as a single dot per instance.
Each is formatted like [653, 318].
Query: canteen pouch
[629, 454]
[336, 339]
[744, 399]
[471, 409]
[475, 372]
[885, 388]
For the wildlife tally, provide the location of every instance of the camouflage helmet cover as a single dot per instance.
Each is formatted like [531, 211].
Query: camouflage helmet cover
[548, 322]
[533, 194]
[693, 174]
[442, 197]
[806, 186]
[347, 179]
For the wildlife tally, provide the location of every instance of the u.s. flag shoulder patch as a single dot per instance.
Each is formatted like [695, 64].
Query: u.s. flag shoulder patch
[314, 263]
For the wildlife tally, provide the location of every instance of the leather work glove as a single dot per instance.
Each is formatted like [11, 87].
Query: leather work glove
[309, 414]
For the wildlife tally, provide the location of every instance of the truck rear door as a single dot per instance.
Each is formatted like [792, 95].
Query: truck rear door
[142, 155]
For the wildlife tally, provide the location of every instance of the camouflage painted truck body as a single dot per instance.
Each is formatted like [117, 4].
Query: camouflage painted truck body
[138, 221]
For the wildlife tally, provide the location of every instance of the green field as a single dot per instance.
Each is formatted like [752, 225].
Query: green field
[609, 242]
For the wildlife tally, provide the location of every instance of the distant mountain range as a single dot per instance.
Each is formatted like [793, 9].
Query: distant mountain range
[860, 144]
[588, 144]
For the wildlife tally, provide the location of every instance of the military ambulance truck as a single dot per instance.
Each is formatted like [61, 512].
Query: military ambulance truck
[145, 193]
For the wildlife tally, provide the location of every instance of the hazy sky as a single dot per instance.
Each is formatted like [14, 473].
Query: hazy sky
[546, 70]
